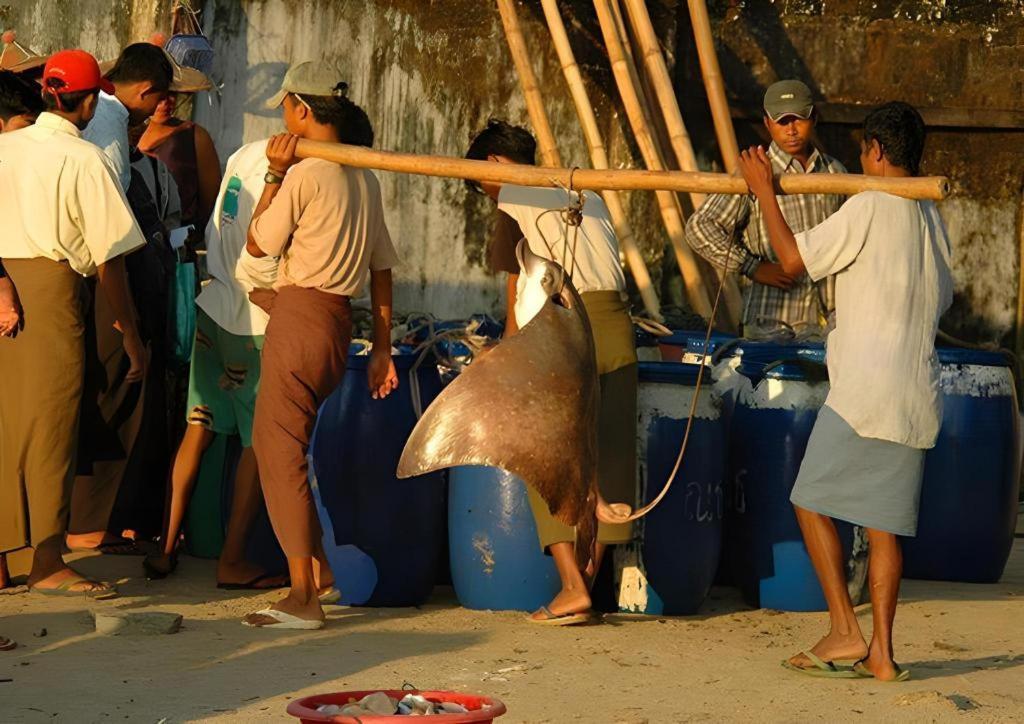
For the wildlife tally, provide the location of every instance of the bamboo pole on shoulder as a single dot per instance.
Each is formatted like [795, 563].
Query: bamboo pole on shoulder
[935, 188]
[668, 204]
[599, 156]
[528, 81]
[714, 84]
[679, 137]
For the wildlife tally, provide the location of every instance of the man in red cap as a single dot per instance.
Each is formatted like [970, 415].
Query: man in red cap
[66, 218]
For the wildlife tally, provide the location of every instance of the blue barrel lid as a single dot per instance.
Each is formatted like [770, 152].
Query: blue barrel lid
[673, 373]
[961, 356]
[693, 340]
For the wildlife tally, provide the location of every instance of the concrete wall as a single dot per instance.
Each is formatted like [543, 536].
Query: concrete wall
[429, 73]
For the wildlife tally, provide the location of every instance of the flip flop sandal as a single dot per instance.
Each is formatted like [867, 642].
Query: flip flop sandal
[7, 644]
[284, 621]
[821, 668]
[565, 619]
[330, 597]
[865, 673]
[64, 588]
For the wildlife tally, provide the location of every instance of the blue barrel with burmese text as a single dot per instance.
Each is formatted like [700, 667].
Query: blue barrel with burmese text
[388, 534]
[771, 423]
[972, 476]
[496, 560]
[681, 539]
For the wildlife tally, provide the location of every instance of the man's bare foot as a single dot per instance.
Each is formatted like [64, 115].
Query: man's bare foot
[834, 647]
[290, 604]
[103, 542]
[882, 665]
[244, 573]
[566, 602]
[7, 644]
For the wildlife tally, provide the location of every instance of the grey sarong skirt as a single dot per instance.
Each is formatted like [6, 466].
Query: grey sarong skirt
[868, 482]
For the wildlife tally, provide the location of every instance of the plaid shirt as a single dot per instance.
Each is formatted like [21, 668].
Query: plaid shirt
[724, 219]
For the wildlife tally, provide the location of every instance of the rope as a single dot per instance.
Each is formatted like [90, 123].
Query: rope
[635, 515]
[466, 335]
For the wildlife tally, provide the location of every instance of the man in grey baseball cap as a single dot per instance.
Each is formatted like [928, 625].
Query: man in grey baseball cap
[728, 232]
[788, 98]
[311, 79]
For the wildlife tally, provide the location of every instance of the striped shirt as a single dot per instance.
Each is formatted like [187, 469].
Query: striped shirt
[725, 219]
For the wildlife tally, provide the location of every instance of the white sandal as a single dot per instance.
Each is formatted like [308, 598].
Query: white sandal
[284, 621]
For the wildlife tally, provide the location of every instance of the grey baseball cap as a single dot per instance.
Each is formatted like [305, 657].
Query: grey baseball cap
[788, 98]
[309, 78]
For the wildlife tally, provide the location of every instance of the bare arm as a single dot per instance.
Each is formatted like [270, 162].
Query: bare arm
[382, 377]
[281, 157]
[757, 171]
[10, 306]
[209, 174]
[112, 279]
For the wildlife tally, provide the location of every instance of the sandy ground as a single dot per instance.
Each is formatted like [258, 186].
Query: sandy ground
[965, 644]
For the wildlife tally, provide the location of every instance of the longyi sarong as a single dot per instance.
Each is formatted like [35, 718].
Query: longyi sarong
[40, 389]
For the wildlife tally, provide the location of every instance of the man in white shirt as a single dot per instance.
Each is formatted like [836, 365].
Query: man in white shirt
[65, 218]
[224, 375]
[865, 458]
[141, 78]
[589, 253]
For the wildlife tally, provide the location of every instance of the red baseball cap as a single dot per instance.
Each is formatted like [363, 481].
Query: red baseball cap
[78, 70]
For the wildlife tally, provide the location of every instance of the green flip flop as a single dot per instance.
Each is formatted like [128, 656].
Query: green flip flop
[865, 673]
[821, 668]
[64, 588]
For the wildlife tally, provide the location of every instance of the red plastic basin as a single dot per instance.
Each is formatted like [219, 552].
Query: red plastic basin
[305, 708]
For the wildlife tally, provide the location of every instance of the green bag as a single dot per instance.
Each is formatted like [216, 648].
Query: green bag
[182, 328]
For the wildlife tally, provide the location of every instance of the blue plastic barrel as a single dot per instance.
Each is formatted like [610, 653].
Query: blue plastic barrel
[385, 529]
[770, 426]
[682, 537]
[496, 560]
[972, 476]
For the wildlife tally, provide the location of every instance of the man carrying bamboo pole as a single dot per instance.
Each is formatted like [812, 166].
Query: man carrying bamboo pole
[589, 252]
[729, 230]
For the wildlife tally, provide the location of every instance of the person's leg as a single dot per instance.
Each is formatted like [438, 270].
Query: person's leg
[184, 473]
[232, 567]
[844, 640]
[885, 568]
[5, 578]
[304, 360]
[556, 538]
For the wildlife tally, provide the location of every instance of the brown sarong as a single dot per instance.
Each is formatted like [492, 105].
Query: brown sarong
[616, 421]
[40, 392]
[305, 352]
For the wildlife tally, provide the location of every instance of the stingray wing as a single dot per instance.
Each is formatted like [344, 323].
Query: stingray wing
[528, 406]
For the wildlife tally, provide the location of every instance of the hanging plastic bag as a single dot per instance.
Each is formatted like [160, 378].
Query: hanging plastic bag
[182, 325]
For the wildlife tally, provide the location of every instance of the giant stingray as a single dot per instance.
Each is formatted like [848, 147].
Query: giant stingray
[529, 406]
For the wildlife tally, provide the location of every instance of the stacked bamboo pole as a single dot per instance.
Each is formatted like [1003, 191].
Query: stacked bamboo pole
[550, 155]
[599, 156]
[668, 205]
[679, 137]
[657, 72]
[531, 90]
[714, 85]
